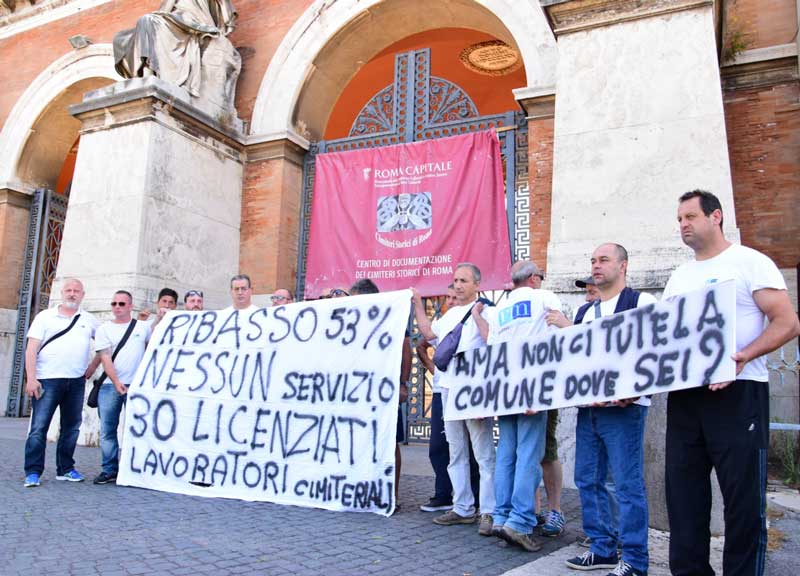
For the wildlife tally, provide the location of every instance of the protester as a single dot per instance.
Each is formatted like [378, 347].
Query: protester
[57, 366]
[281, 297]
[724, 426]
[167, 300]
[521, 447]
[367, 286]
[612, 436]
[241, 294]
[587, 284]
[193, 301]
[121, 344]
[478, 432]
[438, 448]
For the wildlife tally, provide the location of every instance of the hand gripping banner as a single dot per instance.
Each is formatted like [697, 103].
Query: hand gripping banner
[295, 404]
[405, 215]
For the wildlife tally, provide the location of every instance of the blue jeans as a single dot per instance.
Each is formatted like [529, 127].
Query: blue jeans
[613, 437]
[109, 405]
[64, 393]
[518, 470]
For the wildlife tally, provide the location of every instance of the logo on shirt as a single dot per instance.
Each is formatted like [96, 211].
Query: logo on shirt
[518, 310]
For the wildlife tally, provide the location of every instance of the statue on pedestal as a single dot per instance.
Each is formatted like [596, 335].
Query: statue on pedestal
[185, 43]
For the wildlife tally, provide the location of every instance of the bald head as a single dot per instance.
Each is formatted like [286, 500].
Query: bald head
[526, 274]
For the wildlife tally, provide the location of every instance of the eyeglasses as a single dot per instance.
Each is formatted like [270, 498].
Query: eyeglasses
[193, 293]
[278, 298]
[120, 304]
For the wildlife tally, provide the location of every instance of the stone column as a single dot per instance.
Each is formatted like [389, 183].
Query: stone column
[638, 121]
[156, 197]
[271, 200]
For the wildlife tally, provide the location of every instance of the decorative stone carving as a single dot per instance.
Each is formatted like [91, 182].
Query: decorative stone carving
[184, 43]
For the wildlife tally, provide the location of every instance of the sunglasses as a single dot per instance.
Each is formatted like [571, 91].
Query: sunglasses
[278, 298]
[193, 293]
[120, 304]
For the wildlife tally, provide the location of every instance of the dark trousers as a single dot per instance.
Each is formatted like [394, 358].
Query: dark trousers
[729, 431]
[64, 393]
[439, 455]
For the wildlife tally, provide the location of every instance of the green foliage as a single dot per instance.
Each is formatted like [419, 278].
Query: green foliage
[785, 449]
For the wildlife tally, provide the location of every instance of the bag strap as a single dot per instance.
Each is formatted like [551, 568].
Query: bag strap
[60, 334]
[125, 337]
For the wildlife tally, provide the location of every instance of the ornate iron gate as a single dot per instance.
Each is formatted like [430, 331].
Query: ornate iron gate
[45, 229]
[419, 106]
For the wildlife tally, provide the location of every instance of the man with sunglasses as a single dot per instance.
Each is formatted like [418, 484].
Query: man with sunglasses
[193, 301]
[281, 297]
[119, 370]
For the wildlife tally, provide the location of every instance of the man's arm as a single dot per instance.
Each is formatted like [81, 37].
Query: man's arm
[783, 325]
[32, 387]
[111, 372]
[557, 318]
[480, 321]
[92, 366]
[423, 323]
[424, 357]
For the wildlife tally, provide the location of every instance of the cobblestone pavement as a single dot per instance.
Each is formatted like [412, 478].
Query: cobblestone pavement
[80, 529]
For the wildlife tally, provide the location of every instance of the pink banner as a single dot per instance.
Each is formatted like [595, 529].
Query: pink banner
[406, 215]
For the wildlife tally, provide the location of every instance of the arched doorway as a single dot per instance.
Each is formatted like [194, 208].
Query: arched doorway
[40, 145]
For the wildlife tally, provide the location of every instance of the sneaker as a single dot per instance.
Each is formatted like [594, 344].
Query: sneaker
[436, 505]
[585, 543]
[485, 527]
[497, 531]
[554, 525]
[590, 561]
[31, 480]
[71, 476]
[541, 519]
[104, 478]
[625, 569]
[450, 518]
[526, 541]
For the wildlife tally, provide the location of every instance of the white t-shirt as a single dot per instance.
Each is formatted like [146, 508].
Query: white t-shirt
[522, 315]
[67, 356]
[470, 335]
[127, 361]
[607, 309]
[752, 271]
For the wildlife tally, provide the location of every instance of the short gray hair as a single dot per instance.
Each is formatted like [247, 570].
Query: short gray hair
[476, 272]
[525, 270]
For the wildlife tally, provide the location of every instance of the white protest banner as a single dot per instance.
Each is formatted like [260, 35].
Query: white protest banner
[681, 343]
[295, 404]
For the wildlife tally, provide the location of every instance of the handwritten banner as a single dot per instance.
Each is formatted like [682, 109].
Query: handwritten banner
[407, 214]
[681, 343]
[294, 404]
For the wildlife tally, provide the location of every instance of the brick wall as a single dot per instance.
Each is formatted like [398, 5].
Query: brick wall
[540, 170]
[763, 22]
[763, 126]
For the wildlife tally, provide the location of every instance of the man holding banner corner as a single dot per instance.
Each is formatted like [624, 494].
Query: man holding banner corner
[521, 447]
[612, 436]
[466, 282]
[724, 425]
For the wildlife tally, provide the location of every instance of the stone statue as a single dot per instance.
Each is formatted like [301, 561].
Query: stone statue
[185, 43]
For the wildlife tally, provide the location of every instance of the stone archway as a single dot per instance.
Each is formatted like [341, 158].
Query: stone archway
[330, 42]
[39, 131]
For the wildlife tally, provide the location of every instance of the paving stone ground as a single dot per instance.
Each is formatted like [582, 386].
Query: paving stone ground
[80, 529]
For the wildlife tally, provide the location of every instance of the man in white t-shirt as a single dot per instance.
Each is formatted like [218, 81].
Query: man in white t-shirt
[724, 426]
[119, 373]
[612, 436]
[522, 436]
[193, 301]
[57, 365]
[241, 296]
[466, 282]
